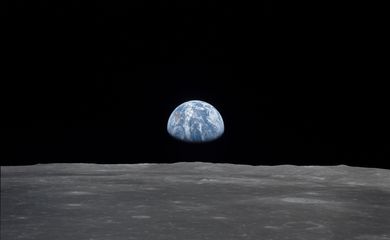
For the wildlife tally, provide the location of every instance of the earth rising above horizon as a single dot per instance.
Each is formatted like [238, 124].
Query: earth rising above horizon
[195, 121]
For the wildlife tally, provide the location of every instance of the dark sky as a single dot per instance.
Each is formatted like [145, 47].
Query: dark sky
[97, 82]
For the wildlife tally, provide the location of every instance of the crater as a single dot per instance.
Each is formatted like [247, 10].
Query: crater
[78, 193]
[141, 217]
[303, 200]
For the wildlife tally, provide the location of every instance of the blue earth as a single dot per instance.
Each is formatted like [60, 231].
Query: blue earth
[195, 121]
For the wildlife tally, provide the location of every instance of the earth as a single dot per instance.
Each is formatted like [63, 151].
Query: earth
[195, 121]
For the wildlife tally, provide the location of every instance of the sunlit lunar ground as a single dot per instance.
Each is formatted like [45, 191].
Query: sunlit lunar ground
[194, 201]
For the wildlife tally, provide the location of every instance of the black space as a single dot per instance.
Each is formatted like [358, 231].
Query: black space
[96, 82]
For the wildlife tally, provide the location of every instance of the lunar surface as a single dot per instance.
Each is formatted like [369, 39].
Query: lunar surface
[194, 201]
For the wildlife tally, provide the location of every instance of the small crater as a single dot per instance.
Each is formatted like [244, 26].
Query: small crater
[356, 184]
[373, 237]
[192, 207]
[110, 221]
[207, 180]
[78, 193]
[149, 188]
[303, 200]
[141, 217]
[318, 178]
[271, 227]
[140, 206]
[307, 225]
[312, 193]
[74, 205]
[278, 176]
